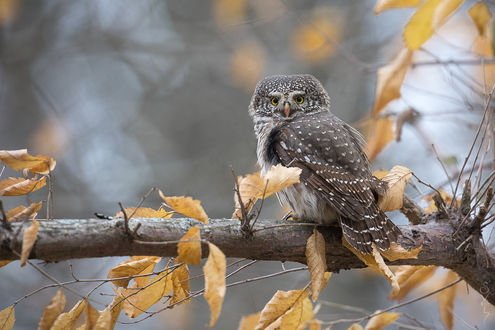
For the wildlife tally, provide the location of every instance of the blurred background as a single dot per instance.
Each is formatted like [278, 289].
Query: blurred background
[127, 95]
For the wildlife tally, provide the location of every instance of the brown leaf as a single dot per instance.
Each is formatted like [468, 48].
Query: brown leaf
[20, 186]
[140, 300]
[296, 317]
[21, 212]
[429, 16]
[355, 326]
[68, 320]
[104, 321]
[190, 252]
[396, 179]
[410, 277]
[280, 304]
[180, 283]
[481, 15]
[5, 262]
[7, 318]
[446, 300]
[376, 262]
[317, 262]
[114, 309]
[249, 322]
[20, 159]
[247, 64]
[214, 270]
[187, 206]
[52, 311]
[145, 212]
[28, 239]
[380, 321]
[134, 266]
[249, 187]
[382, 5]
[91, 315]
[396, 252]
[389, 80]
[381, 133]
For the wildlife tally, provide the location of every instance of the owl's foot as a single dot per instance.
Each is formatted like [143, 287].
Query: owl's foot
[289, 216]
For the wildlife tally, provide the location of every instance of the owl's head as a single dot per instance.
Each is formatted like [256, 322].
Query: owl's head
[288, 97]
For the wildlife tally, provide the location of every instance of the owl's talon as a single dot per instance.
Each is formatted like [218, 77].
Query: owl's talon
[289, 216]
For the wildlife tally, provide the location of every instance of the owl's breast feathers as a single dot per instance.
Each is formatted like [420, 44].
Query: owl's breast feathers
[335, 169]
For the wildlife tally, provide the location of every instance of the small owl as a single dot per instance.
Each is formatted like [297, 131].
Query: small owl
[295, 128]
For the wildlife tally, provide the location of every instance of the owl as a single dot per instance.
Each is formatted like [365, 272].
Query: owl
[295, 128]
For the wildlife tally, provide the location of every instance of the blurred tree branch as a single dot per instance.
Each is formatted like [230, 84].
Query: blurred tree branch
[64, 239]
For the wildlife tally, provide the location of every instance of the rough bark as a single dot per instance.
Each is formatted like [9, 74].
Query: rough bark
[65, 239]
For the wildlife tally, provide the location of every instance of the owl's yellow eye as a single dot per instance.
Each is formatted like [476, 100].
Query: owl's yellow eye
[275, 100]
[299, 99]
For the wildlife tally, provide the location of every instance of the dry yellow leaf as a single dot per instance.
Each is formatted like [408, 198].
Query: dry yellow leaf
[5, 262]
[180, 283]
[190, 252]
[104, 321]
[134, 266]
[380, 321]
[382, 5]
[381, 133]
[20, 186]
[249, 187]
[396, 179]
[114, 308]
[214, 270]
[52, 311]
[247, 64]
[431, 203]
[380, 173]
[7, 318]
[20, 159]
[21, 212]
[314, 324]
[91, 315]
[326, 277]
[389, 80]
[68, 320]
[396, 252]
[376, 262]
[429, 16]
[296, 317]
[446, 300]
[317, 262]
[355, 326]
[314, 42]
[145, 212]
[140, 300]
[249, 322]
[281, 303]
[410, 277]
[229, 13]
[187, 206]
[481, 15]
[28, 239]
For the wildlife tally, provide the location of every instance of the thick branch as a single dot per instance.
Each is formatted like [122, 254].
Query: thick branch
[65, 239]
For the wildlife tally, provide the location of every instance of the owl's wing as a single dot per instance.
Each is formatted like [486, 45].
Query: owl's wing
[334, 167]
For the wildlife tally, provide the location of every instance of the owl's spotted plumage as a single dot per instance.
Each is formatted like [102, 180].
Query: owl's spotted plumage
[294, 127]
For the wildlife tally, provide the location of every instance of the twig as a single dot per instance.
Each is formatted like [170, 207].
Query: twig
[414, 213]
[126, 222]
[466, 198]
[443, 167]
[141, 203]
[244, 213]
[261, 207]
[5, 223]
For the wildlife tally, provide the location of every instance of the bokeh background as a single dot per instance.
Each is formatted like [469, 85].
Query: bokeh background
[127, 95]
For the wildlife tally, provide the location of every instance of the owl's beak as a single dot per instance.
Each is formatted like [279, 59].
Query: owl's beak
[286, 109]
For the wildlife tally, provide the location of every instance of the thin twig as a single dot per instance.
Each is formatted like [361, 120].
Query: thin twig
[5, 222]
[126, 221]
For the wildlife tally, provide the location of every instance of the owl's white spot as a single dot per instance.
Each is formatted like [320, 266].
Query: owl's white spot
[335, 137]
[298, 126]
[299, 150]
[310, 145]
[309, 134]
[300, 132]
[318, 127]
[343, 154]
[306, 158]
[282, 143]
[318, 139]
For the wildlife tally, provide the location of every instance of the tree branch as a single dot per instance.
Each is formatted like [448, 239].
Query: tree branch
[65, 239]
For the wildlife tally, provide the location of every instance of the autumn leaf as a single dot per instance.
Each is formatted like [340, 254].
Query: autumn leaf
[281, 303]
[249, 187]
[187, 206]
[389, 80]
[382, 5]
[180, 284]
[20, 186]
[145, 212]
[91, 315]
[396, 252]
[20, 159]
[68, 320]
[317, 263]
[429, 16]
[21, 212]
[355, 326]
[380, 321]
[214, 270]
[104, 321]
[5, 262]
[114, 310]
[446, 300]
[431, 203]
[52, 311]
[396, 179]
[376, 262]
[28, 239]
[131, 267]
[140, 300]
[247, 64]
[296, 317]
[190, 252]
[481, 15]
[249, 322]
[7, 318]
[410, 277]
[381, 133]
